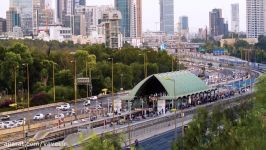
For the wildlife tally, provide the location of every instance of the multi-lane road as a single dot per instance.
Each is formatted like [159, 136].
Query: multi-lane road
[54, 111]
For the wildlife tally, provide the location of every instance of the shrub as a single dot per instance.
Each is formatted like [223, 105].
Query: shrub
[6, 103]
[40, 99]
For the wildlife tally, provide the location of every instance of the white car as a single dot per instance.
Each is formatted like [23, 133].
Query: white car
[21, 122]
[2, 125]
[64, 107]
[93, 98]
[98, 106]
[87, 103]
[59, 116]
[9, 124]
[38, 117]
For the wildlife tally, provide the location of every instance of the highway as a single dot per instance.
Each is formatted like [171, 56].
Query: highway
[54, 111]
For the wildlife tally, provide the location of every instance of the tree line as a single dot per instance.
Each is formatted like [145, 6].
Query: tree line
[42, 57]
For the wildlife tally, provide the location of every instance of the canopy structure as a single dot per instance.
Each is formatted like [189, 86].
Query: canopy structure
[171, 85]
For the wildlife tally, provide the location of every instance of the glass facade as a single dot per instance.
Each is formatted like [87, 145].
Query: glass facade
[183, 22]
[24, 9]
[167, 16]
[124, 7]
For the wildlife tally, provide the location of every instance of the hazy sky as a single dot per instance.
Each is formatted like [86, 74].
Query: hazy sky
[196, 10]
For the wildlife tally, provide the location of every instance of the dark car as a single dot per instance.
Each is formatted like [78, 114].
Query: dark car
[48, 116]
[5, 117]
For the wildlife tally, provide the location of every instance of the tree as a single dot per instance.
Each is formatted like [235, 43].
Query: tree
[241, 44]
[104, 142]
[261, 42]
[241, 127]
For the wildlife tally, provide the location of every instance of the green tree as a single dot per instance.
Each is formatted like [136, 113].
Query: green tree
[104, 142]
[241, 44]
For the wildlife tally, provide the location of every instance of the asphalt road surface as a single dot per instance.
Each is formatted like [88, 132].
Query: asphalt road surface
[160, 142]
[54, 111]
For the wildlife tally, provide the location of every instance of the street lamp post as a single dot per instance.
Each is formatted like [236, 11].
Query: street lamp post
[75, 85]
[87, 90]
[113, 101]
[28, 96]
[53, 82]
[121, 75]
[15, 87]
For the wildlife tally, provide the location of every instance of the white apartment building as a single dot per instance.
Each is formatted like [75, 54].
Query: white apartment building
[256, 21]
[57, 33]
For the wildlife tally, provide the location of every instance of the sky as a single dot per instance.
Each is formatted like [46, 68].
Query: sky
[196, 10]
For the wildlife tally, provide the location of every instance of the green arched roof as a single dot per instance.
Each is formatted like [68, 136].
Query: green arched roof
[186, 83]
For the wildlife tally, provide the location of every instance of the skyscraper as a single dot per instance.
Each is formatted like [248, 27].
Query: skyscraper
[136, 18]
[183, 26]
[80, 2]
[183, 20]
[2, 25]
[61, 8]
[167, 16]
[42, 15]
[217, 25]
[124, 7]
[12, 19]
[235, 18]
[24, 9]
[131, 22]
[256, 21]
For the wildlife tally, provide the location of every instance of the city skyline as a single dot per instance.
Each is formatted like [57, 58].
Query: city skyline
[197, 19]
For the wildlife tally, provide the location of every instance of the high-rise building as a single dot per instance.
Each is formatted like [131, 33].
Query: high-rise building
[109, 29]
[167, 16]
[24, 9]
[124, 7]
[12, 19]
[235, 18]
[2, 25]
[70, 7]
[42, 15]
[183, 26]
[131, 22]
[256, 21]
[183, 20]
[136, 18]
[61, 8]
[92, 16]
[217, 25]
[80, 2]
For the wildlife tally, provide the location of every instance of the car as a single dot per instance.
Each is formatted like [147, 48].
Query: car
[93, 98]
[38, 117]
[109, 114]
[5, 117]
[75, 122]
[48, 116]
[87, 103]
[63, 107]
[59, 116]
[2, 125]
[21, 122]
[9, 124]
[98, 106]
